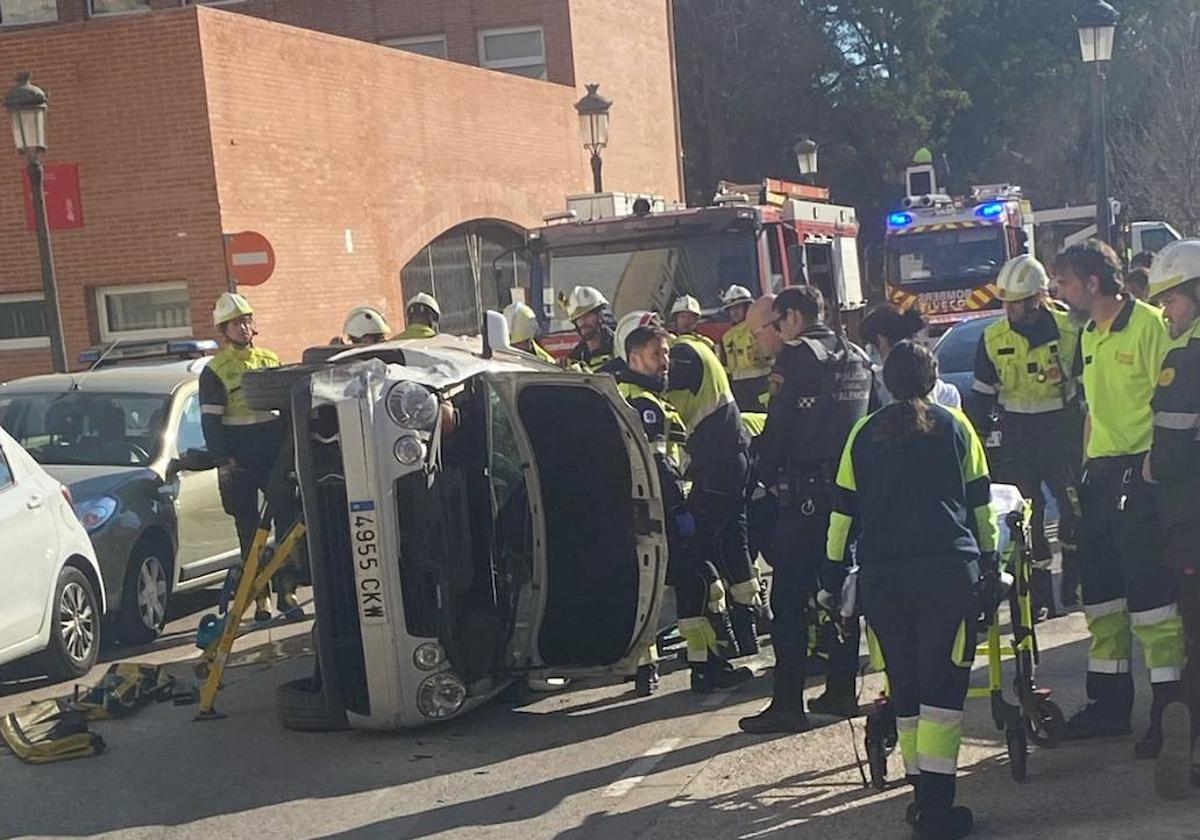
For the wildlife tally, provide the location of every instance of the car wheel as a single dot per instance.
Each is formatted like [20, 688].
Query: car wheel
[144, 599]
[302, 708]
[75, 628]
[271, 388]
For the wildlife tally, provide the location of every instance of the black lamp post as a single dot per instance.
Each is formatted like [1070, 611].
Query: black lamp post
[1097, 22]
[806, 158]
[593, 126]
[26, 105]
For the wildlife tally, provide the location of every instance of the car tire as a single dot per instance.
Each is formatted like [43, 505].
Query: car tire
[302, 708]
[145, 595]
[267, 389]
[74, 628]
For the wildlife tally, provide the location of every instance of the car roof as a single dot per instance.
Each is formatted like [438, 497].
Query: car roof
[157, 377]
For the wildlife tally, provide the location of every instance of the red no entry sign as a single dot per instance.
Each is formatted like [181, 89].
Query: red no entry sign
[249, 258]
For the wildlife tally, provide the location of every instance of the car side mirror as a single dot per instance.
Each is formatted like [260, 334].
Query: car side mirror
[191, 460]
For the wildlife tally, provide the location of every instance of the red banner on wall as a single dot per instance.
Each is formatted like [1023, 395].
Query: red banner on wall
[64, 209]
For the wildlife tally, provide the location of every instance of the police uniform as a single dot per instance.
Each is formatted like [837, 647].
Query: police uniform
[921, 506]
[1127, 591]
[252, 438]
[749, 368]
[822, 385]
[1027, 369]
[583, 358]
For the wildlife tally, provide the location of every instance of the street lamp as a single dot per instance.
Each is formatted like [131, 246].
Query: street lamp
[1097, 22]
[26, 105]
[806, 157]
[593, 126]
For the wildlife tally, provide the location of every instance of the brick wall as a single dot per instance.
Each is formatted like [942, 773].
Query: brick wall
[127, 104]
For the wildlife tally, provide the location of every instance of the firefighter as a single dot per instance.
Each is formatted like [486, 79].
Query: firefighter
[685, 317]
[719, 467]
[913, 485]
[422, 314]
[523, 330]
[1127, 591]
[247, 440]
[587, 309]
[749, 368]
[885, 326]
[822, 386]
[1024, 366]
[366, 325]
[644, 347]
[1174, 464]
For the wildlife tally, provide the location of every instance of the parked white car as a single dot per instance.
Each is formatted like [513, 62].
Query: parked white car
[52, 599]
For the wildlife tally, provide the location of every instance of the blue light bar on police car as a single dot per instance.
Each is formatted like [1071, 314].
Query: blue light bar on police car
[990, 210]
[899, 219]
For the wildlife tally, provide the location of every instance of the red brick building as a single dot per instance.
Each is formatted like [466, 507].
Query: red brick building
[190, 123]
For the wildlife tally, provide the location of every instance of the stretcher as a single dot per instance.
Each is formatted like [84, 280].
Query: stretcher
[1031, 715]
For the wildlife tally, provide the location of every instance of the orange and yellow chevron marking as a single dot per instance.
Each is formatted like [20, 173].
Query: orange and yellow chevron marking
[939, 226]
[981, 297]
[901, 298]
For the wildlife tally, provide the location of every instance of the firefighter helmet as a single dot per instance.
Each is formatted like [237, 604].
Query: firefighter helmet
[686, 303]
[735, 295]
[582, 300]
[522, 322]
[363, 321]
[1020, 278]
[426, 300]
[629, 323]
[230, 305]
[1175, 265]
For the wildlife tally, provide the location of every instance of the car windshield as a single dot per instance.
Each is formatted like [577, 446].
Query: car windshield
[76, 427]
[945, 257]
[651, 275]
[956, 350]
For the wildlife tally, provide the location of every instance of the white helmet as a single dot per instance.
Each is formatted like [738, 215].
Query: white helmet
[426, 300]
[230, 305]
[687, 303]
[582, 300]
[1020, 278]
[363, 321]
[1175, 265]
[522, 322]
[629, 323]
[735, 295]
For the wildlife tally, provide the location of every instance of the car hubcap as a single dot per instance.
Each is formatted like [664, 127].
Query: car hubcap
[76, 622]
[152, 592]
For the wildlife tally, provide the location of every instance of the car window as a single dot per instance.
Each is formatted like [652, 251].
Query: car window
[191, 433]
[6, 476]
[83, 427]
[956, 351]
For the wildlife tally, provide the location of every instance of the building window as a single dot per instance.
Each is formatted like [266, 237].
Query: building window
[118, 7]
[521, 51]
[22, 322]
[145, 311]
[18, 12]
[433, 46]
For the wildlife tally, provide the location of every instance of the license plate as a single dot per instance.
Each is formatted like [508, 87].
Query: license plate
[364, 537]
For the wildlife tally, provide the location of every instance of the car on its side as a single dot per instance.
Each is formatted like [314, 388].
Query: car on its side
[52, 599]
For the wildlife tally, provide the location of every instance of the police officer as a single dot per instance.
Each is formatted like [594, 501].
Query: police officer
[587, 310]
[422, 314]
[249, 440]
[643, 345]
[685, 316]
[366, 325]
[1174, 464]
[748, 366]
[719, 467]
[821, 385]
[1127, 591]
[1024, 364]
[523, 330]
[913, 481]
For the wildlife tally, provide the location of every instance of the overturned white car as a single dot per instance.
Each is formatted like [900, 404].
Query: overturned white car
[470, 521]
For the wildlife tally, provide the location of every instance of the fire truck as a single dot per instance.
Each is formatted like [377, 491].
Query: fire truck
[643, 254]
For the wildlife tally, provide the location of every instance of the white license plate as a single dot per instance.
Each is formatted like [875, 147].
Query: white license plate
[364, 537]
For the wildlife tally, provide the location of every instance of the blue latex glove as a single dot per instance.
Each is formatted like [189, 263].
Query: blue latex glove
[685, 523]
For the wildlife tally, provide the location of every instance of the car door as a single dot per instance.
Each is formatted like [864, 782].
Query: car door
[601, 559]
[207, 538]
[27, 526]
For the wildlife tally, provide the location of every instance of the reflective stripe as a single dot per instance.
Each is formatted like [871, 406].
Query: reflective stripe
[750, 373]
[212, 409]
[251, 419]
[1030, 406]
[1176, 420]
[941, 716]
[745, 592]
[939, 733]
[937, 764]
[1154, 616]
[1165, 675]
[1105, 608]
[700, 637]
[1108, 666]
[983, 388]
[906, 730]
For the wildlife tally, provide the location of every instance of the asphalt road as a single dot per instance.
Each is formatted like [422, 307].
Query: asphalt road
[592, 762]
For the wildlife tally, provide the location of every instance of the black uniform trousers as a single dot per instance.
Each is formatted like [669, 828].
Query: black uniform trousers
[1183, 556]
[718, 503]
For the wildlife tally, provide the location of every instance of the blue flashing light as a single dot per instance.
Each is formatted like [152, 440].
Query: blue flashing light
[900, 219]
[990, 210]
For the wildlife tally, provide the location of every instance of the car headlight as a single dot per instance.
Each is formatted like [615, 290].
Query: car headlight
[409, 450]
[428, 656]
[413, 406]
[441, 696]
[92, 513]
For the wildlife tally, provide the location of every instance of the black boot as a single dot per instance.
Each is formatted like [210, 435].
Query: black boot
[1068, 585]
[717, 674]
[645, 682]
[786, 711]
[1173, 771]
[952, 823]
[1093, 721]
[1151, 743]
[743, 617]
[1041, 589]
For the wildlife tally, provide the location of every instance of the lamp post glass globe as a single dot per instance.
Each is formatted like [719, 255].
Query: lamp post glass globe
[1097, 22]
[26, 106]
[806, 156]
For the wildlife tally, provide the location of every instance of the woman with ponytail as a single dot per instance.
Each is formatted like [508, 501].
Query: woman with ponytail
[913, 491]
